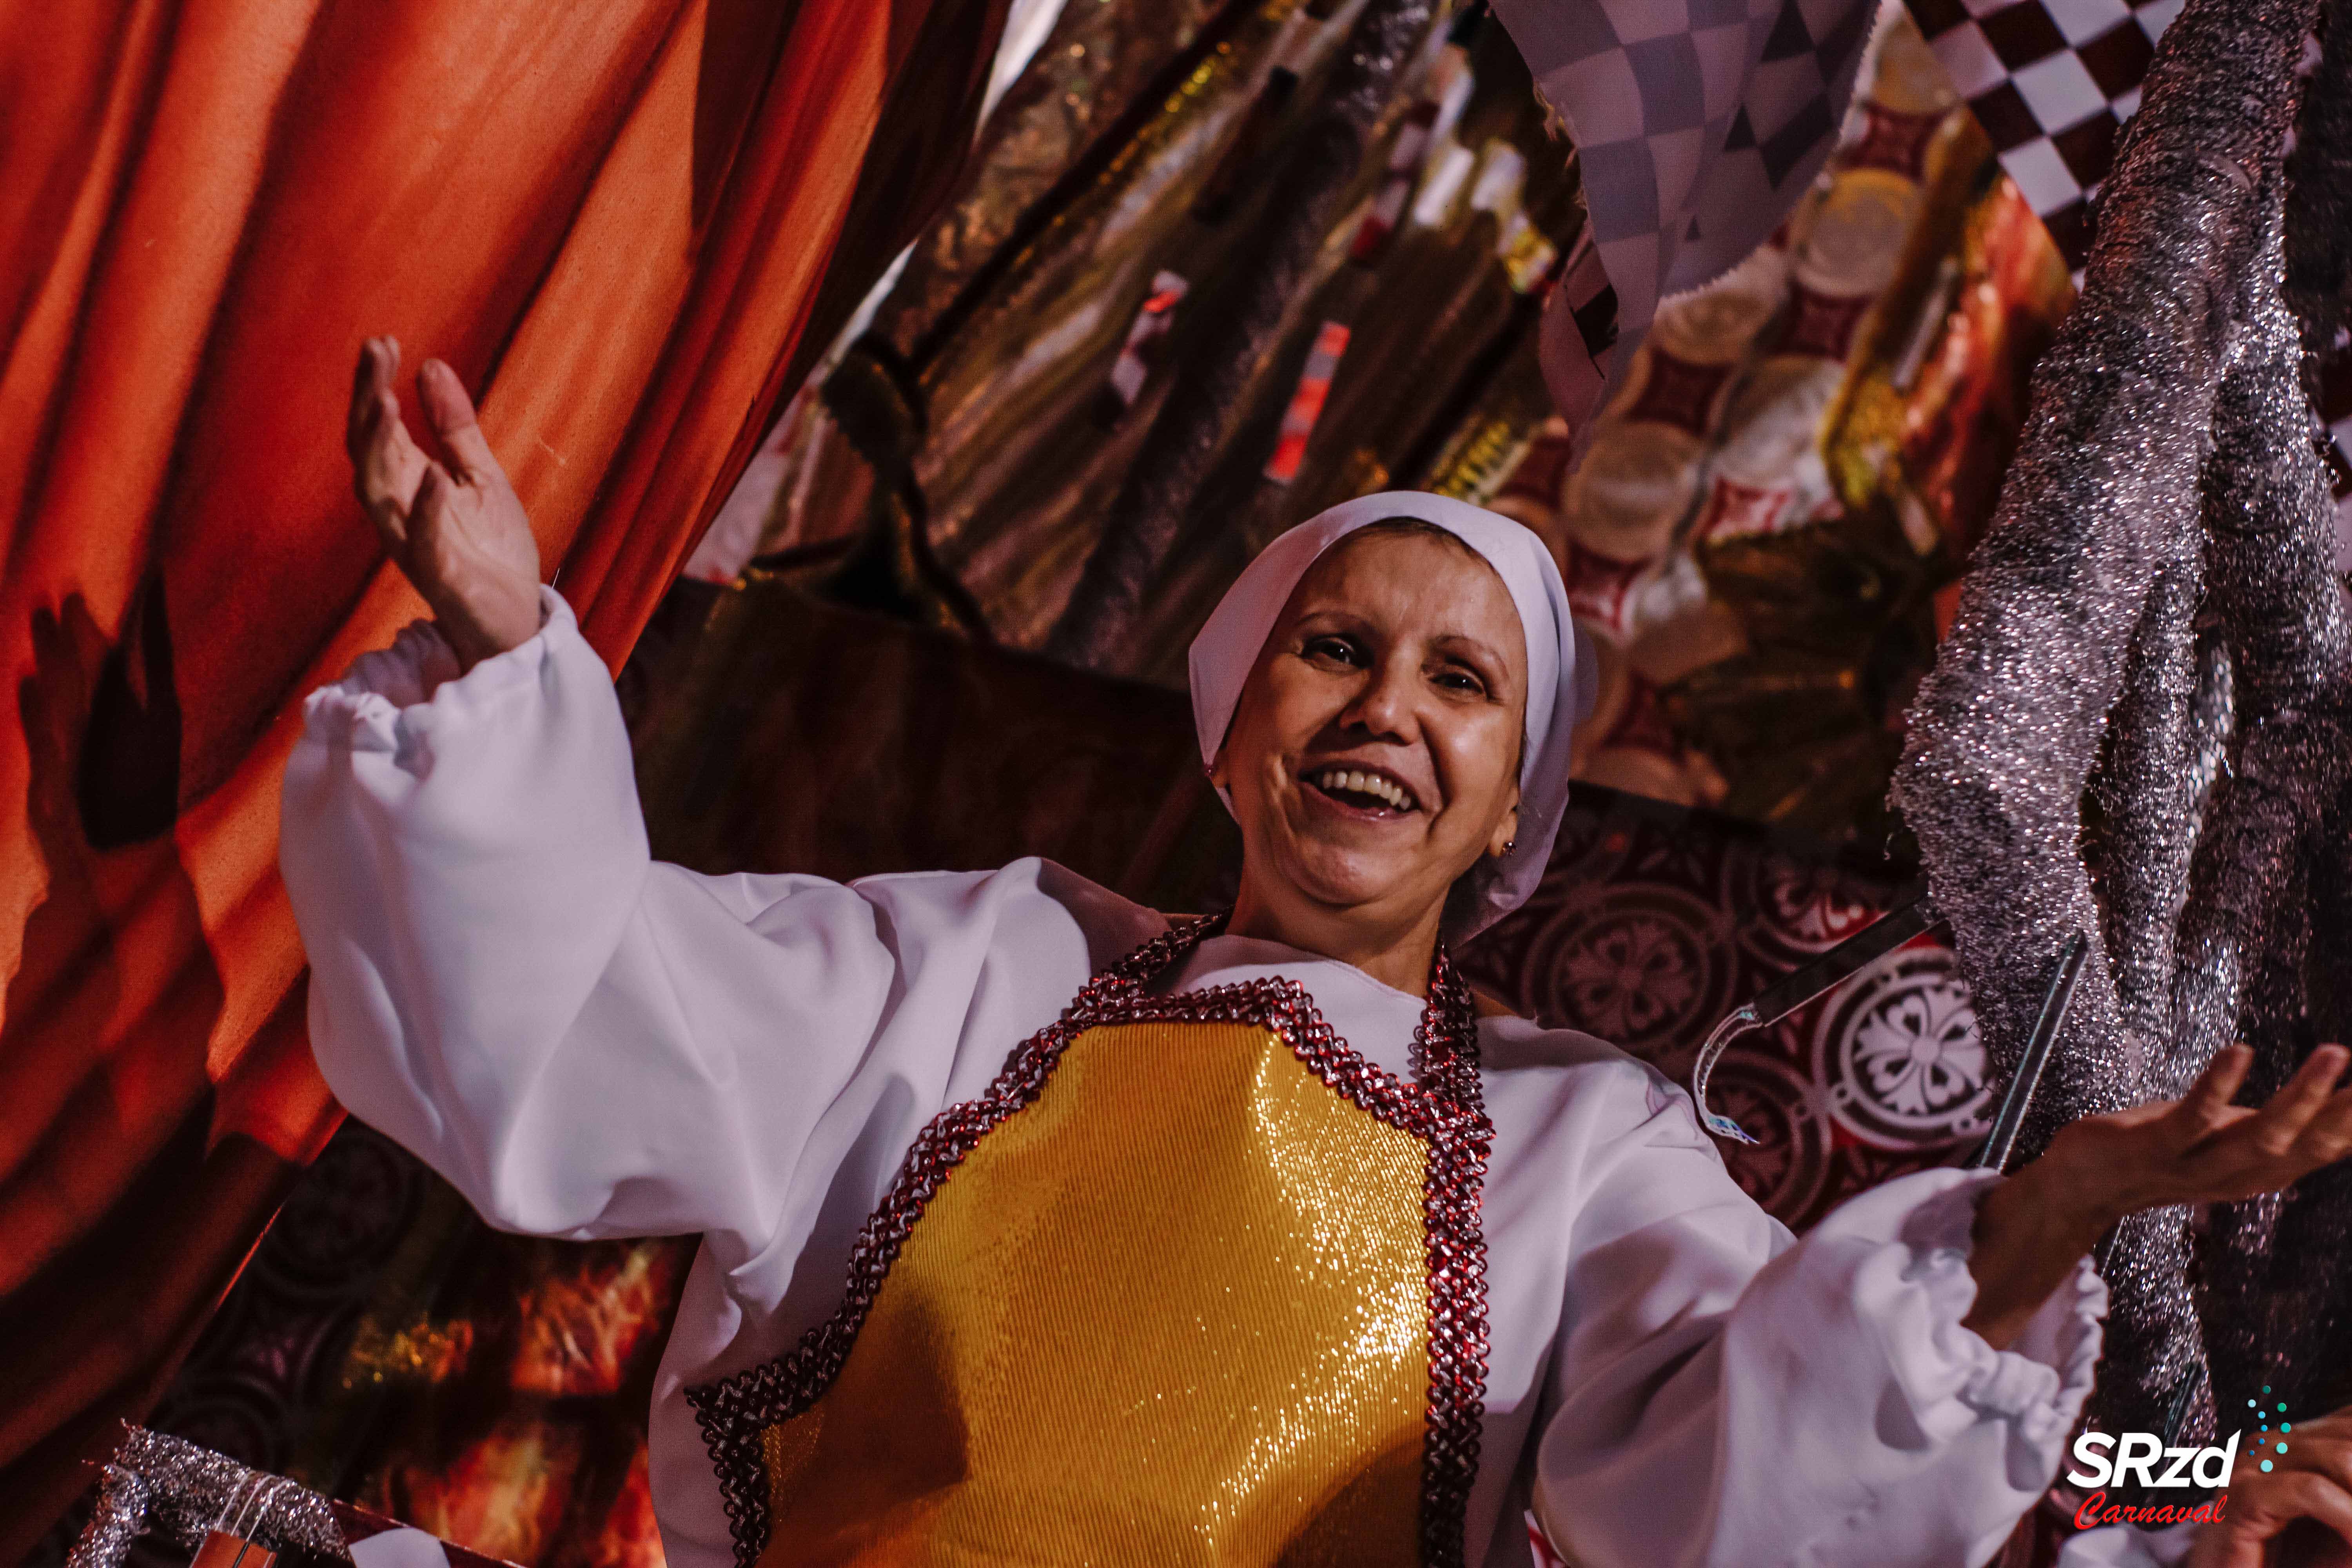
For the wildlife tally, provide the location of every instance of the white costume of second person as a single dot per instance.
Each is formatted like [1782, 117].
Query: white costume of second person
[589, 1043]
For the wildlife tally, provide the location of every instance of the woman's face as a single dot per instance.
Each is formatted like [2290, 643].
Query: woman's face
[1374, 754]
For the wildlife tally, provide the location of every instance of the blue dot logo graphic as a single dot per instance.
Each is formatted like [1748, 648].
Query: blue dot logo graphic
[2276, 1444]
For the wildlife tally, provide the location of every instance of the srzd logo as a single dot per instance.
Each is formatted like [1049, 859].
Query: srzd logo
[2139, 1452]
[2137, 1455]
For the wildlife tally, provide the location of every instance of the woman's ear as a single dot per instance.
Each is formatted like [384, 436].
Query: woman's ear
[1506, 835]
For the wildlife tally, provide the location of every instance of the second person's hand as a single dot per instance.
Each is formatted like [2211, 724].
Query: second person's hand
[457, 532]
[2297, 1514]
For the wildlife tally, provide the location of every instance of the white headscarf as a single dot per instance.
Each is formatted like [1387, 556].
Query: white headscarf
[1560, 676]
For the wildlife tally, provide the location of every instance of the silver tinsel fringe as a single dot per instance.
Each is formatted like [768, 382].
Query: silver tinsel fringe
[2276, 1267]
[2157, 423]
[184, 1491]
[118, 1519]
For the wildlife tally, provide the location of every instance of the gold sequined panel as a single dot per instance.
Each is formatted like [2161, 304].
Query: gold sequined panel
[1173, 1312]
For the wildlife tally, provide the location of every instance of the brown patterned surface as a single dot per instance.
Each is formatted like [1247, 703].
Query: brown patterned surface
[1015, 454]
[1094, 66]
[1652, 922]
[804, 736]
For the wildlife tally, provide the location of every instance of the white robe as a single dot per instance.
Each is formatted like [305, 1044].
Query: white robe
[589, 1043]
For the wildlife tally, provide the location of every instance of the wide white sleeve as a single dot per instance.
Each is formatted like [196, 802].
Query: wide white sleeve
[584, 1041]
[1725, 1394]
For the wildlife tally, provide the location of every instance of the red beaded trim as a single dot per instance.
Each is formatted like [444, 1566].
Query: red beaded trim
[1446, 1108]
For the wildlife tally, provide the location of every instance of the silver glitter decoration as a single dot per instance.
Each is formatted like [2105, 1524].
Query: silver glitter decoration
[2165, 477]
[2319, 172]
[2213, 718]
[2148, 793]
[185, 1491]
[117, 1520]
[2275, 1266]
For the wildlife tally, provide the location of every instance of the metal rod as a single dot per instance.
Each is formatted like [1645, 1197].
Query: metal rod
[2017, 1099]
[1784, 997]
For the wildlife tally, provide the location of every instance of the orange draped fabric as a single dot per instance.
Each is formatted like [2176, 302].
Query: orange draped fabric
[612, 219]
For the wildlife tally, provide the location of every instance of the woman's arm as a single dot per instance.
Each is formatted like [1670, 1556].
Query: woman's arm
[1831, 1400]
[1722, 1394]
[2297, 1514]
[584, 1040]
[2198, 1148]
[588, 1042]
[503, 981]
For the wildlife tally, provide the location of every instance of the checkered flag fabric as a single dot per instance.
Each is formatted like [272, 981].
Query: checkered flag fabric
[1697, 124]
[1578, 331]
[2052, 82]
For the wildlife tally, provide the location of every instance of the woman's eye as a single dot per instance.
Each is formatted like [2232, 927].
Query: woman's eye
[1463, 681]
[1338, 650]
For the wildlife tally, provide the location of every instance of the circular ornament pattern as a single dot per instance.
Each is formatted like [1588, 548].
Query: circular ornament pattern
[1639, 965]
[1775, 418]
[1897, 1051]
[1631, 490]
[1714, 325]
[1797, 911]
[342, 1218]
[1855, 238]
[1787, 1169]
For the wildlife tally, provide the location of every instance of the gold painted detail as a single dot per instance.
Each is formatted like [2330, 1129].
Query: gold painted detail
[1174, 1311]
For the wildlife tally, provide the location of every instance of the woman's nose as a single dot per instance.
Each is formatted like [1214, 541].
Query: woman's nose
[1384, 704]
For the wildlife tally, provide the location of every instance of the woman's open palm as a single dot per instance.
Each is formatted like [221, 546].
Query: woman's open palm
[458, 531]
[2202, 1149]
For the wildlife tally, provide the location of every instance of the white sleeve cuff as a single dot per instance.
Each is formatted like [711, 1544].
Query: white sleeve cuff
[1940, 1440]
[2038, 1385]
[384, 693]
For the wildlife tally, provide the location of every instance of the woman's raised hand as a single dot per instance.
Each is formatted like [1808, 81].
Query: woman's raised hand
[2198, 1148]
[2202, 1149]
[458, 531]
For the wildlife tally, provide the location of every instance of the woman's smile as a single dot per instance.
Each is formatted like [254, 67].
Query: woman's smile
[1358, 791]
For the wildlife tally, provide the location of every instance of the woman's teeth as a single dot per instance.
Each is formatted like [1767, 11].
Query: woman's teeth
[1334, 781]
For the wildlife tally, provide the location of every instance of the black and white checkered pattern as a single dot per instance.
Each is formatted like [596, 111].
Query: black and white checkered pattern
[2052, 82]
[1697, 124]
[1700, 122]
[1578, 328]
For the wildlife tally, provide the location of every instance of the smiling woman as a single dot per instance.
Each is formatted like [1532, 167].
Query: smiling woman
[1374, 754]
[1035, 1226]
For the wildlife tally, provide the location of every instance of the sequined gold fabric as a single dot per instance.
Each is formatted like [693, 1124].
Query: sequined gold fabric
[1175, 1312]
